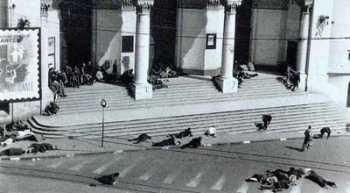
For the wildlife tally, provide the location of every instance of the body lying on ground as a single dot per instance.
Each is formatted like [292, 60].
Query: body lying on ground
[141, 138]
[194, 143]
[182, 134]
[166, 142]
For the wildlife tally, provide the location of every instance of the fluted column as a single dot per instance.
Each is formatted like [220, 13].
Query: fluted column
[142, 89]
[303, 46]
[226, 81]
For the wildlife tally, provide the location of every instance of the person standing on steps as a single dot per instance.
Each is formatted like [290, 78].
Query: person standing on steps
[307, 139]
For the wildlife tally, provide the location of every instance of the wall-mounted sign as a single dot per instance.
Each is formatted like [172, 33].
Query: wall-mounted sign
[19, 64]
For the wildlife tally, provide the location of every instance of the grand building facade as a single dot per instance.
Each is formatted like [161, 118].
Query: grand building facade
[207, 36]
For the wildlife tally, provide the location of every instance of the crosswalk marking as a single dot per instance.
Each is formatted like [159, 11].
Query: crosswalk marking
[170, 178]
[106, 166]
[195, 181]
[56, 164]
[79, 166]
[126, 170]
[267, 191]
[146, 176]
[243, 188]
[219, 184]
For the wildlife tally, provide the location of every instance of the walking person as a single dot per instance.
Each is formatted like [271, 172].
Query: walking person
[307, 139]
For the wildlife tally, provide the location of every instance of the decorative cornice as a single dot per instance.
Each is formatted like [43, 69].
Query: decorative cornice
[127, 3]
[214, 4]
[144, 5]
[231, 5]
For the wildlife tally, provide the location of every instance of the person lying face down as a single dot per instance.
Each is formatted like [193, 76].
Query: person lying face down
[313, 176]
[141, 138]
[167, 142]
[110, 179]
[194, 143]
[183, 134]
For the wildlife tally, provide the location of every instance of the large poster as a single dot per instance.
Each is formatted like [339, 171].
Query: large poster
[19, 64]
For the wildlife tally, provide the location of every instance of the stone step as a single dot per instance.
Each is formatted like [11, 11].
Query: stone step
[235, 115]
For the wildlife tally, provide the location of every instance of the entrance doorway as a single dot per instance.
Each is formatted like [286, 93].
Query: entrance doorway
[292, 50]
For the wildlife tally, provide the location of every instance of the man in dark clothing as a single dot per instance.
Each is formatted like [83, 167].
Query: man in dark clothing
[12, 152]
[266, 120]
[325, 130]
[182, 134]
[108, 179]
[307, 138]
[167, 142]
[313, 176]
[141, 138]
[194, 143]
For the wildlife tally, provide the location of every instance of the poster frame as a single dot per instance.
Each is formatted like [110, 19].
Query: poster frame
[39, 66]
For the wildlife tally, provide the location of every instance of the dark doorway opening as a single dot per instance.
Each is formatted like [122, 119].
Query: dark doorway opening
[292, 50]
[163, 27]
[5, 107]
[76, 31]
[242, 43]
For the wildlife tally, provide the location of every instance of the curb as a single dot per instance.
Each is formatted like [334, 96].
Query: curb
[246, 142]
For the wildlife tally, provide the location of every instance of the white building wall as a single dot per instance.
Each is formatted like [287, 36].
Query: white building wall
[111, 25]
[128, 29]
[319, 49]
[268, 45]
[339, 60]
[191, 39]
[215, 25]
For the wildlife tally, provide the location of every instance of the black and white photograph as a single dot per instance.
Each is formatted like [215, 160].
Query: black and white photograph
[174, 96]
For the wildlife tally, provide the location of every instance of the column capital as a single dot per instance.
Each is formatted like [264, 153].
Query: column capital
[231, 5]
[144, 6]
[214, 3]
[305, 4]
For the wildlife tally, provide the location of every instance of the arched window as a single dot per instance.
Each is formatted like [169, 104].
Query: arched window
[348, 102]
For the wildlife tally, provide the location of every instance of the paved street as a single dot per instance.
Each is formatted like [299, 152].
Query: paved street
[208, 169]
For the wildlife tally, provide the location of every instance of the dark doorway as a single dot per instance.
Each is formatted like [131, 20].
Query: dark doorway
[292, 50]
[243, 32]
[76, 31]
[163, 26]
[4, 107]
[348, 102]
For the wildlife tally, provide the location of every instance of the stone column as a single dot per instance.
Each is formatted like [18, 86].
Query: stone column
[226, 81]
[303, 46]
[142, 89]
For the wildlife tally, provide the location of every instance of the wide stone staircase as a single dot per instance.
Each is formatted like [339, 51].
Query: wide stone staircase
[180, 91]
[286, 119]
[292, 112]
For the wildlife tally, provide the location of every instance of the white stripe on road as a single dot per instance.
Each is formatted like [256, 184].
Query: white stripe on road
[126, 170]
[106, 166]
[195, 181]
[243, 188]
[170, 178]
[219, 184]
[146, 176]
[56, 164]
[79, 166]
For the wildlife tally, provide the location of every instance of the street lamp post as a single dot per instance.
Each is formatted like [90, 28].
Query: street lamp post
[103, 104]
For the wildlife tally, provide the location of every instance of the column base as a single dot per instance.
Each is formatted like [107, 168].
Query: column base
[142, 91]
[302, 83]
[227, 85]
